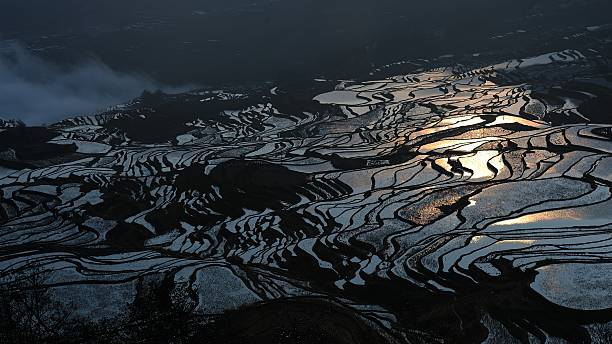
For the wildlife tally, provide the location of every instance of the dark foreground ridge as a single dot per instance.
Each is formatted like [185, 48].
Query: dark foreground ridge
[448, 205]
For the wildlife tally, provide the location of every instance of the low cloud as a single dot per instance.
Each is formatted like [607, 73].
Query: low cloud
[37, 92]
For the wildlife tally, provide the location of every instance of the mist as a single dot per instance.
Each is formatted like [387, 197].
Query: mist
[39, 92]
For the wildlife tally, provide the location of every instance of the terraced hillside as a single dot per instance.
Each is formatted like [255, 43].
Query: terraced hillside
[454, 204]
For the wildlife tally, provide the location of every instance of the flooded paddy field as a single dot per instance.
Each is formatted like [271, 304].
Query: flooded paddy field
[461, 202]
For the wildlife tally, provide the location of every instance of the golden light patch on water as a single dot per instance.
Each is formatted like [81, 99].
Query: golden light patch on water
[448, 123]
[464, 145]
[479, 161]
[443, 163]
[555, 215]
[478, 238]
[521, 242]
[517, 241]
[509, 119]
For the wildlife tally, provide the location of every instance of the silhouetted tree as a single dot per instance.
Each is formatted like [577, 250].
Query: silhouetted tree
[28, 312]
[161, 313]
